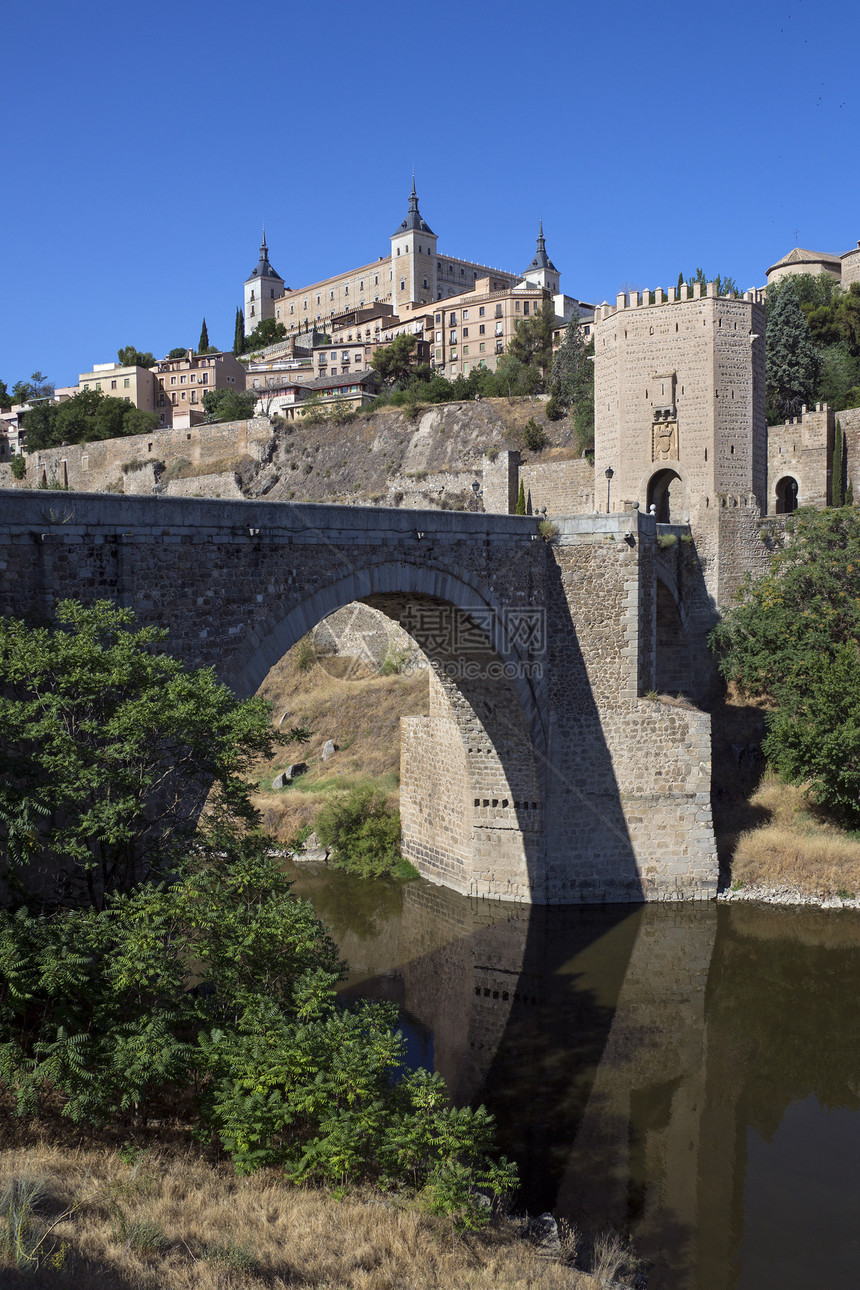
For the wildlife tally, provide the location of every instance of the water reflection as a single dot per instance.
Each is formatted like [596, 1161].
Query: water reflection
[686, 1073]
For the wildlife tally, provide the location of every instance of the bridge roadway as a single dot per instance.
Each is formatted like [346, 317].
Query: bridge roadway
[541, 772]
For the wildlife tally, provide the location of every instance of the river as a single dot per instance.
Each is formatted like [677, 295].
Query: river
[688, 1074]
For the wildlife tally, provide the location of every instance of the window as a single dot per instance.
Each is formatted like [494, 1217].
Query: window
[452, 319]
[253, 311]
[498, 311]
[331, 295]
[252, 294]
[481, 329]
[318, 299]
[453, 353]
[172, 381]
[481, 312]
[525, 306]
[402, 284]
[398, 250]
[424, 282]
[192, 378]
[182, 380]
[438, 318]
[291, 308]
[438, 353]
[438, 335]
[376, 280]
[113, 385]
[465, 350]
[193, 396]
[361, 285]
[465, 314]
[465, 330]
[481, 347]
[205, 378]
[452, 339]
[173, 398]
[516, 307]
[305, 305]
[184, 393]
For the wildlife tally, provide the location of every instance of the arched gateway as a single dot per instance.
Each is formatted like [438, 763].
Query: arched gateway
[540, 774]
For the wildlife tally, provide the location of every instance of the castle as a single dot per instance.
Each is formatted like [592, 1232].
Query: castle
[413, 274]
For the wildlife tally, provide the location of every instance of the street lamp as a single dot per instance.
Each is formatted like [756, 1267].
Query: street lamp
[477, 491]
[609, 472]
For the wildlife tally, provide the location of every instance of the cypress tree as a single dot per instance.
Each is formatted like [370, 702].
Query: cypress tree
[239, 332]
[792, 359]
[203, 343]
[849, 494]
[836, 497]
[521, 500]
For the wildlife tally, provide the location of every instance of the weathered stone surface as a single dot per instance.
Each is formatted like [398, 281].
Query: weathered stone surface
[328, 750]
[540, 774]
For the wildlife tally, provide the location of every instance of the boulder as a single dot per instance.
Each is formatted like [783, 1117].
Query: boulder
[329, 750]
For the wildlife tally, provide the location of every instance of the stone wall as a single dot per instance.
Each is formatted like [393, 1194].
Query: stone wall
[801, 449]
[563, 487]
[160, 459]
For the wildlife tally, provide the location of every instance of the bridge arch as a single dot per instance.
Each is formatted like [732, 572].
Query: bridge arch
[667, 493]
[471, 777]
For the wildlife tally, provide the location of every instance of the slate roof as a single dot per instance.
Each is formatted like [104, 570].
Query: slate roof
[413, 218]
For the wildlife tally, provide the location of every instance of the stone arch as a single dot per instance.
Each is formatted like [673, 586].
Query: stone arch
[786, 495]
[471, 783]
[667, 493]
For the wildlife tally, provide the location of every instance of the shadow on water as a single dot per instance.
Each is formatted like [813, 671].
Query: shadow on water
[686, 1074]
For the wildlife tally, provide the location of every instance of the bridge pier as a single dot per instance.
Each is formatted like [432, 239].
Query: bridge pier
[545, 772]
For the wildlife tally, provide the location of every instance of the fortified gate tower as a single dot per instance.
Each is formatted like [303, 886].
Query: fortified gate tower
[680, 403]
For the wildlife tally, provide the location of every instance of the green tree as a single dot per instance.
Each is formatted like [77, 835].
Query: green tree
[118, 744]
[229, 405]
[239, 332]
[531, 343]
[521, 499]
[267, 332]
[794, 639]
[178, 351]
[792, 360]
[836, 492]
[5, 396]
[131, 357]
[394, 362]
[22, 392]
[724, 286]
[363, 832]
[203, 343]
[88, 416]
[571, 381]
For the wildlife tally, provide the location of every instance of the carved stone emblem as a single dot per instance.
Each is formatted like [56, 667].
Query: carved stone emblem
[664, 441]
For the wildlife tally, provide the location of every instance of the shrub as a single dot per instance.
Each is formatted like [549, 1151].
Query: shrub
[554, 409]
[362, 831]
[548, 530]
[18, 466]
[534, 437]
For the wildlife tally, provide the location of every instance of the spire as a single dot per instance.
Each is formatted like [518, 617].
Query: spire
[541, 259]
[413, 218]
[264, 268]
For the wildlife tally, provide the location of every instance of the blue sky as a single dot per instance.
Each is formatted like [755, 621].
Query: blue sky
[143, 151]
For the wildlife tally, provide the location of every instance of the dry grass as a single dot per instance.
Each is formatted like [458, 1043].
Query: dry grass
[794, 847]
[175, 1222]
[341, 701]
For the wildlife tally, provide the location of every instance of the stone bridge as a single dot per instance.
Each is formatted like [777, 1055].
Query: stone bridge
[546, 770]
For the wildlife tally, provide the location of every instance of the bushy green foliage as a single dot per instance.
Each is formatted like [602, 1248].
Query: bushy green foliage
[793, 362]
[521, 499]
[18, 466]
[95, 1008]
[571, 382]
[267, 332]
[531, 343]
[86, 417]
[129, 356]
[362, 831]
[228, 405]
[794, 638]
[724, 286]
[393, 362]
[833, 319]
[534, 437]
[114, 745]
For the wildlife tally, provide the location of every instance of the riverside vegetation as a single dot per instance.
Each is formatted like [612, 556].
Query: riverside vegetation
[791, 648]
[157, 967]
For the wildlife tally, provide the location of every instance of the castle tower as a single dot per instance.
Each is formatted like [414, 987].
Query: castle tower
[679, 395]
[542, 272]
[413, 258]
[262, 289]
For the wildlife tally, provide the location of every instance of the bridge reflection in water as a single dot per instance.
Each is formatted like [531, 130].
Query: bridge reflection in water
[650, 1069]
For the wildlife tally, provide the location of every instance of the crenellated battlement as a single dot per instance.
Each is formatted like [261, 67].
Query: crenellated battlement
[675, 295]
